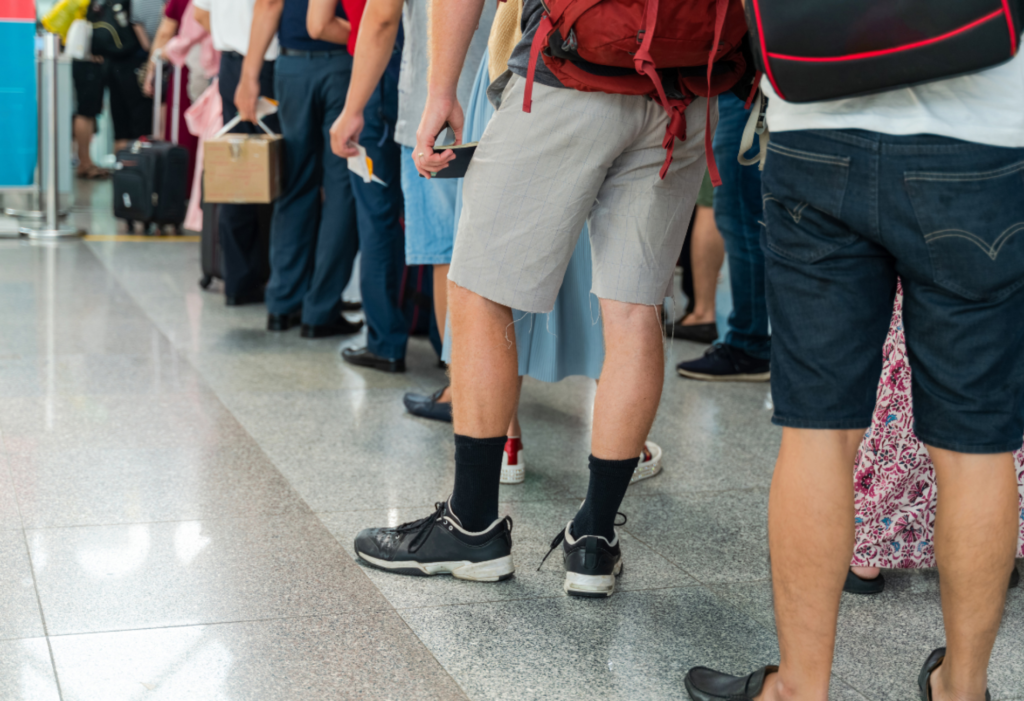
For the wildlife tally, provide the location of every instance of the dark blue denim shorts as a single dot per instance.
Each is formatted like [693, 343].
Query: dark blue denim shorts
[845, 213]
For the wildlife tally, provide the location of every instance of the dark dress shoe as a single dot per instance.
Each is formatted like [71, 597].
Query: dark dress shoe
[863, 587]
[283, 322]
[339, 327]
[705, 684]
[698, 333]
[364, 358]
[351, 306]
[933, 662]
[428, 407]
[239, 300]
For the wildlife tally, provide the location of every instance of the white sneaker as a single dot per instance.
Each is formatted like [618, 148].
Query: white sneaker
[513, 467]
[650, 462]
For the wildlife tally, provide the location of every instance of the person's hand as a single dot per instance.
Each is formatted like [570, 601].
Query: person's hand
[439, 110]
[345, 134]
[246, 95]
[147, 82]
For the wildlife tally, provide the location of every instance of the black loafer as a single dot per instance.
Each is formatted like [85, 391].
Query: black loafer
[249, 298]
[863, 587]
[283, 322]
[1014, 578]
[698, 333]
[351, 306]
[364, 358]
[933, 662]
[705, 684]
[339, 327]
[428, 407]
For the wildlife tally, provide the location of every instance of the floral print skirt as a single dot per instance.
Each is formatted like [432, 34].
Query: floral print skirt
[894, 479]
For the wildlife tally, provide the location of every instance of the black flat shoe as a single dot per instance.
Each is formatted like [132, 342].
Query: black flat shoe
[339, 327]
[239, 300]
[933, 662]
[351, 306]
[283, 322]
[863, 587]
[428, 407]
[364, 358]
[698, 333]
[705, 684]
[1014, 578]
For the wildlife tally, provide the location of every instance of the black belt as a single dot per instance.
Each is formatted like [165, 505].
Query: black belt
[313, 54]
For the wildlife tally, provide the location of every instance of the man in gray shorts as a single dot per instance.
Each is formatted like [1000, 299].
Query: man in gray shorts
[535, 179]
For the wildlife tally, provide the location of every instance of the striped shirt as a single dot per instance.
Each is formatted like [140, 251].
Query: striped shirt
[148, 13]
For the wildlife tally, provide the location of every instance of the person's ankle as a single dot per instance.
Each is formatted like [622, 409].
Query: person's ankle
[941, 689]
[866, 572]
[694, 318]
[775, 690]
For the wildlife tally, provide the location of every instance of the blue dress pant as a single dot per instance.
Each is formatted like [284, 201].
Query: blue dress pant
[738, 211]
[245, 262]
[314, 237]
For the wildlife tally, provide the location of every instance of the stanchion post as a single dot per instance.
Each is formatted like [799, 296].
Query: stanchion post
[51, 226]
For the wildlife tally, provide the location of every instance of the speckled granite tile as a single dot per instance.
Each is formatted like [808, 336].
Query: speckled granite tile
[10, 518]
[19, 609]
[535, 525]
[371, 655]
[635, 645]
[163, 371]
[714, 536]
[93, 579]
[26, 673]
[73, 336]
[134, 484]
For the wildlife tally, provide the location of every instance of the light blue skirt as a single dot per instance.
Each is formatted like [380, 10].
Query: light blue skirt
[568, 340]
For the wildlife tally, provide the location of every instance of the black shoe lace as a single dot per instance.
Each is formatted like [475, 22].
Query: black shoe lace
[561, 537]
[425, 526]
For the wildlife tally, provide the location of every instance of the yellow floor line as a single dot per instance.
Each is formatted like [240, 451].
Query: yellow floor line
[126, 237]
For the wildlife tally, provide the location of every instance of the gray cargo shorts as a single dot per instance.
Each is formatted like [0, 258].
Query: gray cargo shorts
[577, 158]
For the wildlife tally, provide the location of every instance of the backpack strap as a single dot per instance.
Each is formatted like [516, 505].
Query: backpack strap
[540, 40]
[756, 124]
[721, 9]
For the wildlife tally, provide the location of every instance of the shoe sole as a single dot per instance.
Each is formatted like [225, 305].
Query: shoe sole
[748, 377]
[487, 571]
[513, 474]
[643, 472]
[592, 586]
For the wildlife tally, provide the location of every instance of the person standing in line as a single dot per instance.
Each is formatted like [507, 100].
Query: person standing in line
[314, 234]
[922, 185]
[429, 204]
[229, 22]
[746, 350]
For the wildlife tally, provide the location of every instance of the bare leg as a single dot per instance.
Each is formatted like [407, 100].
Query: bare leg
[514, 429]
[975, 544]
[813, 483]
[441, 309]
[631, 379]
[867, 572]
[485, 367]
[707, 251]
[84, 128]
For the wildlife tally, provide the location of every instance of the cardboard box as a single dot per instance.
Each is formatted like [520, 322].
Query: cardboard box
[242, 168]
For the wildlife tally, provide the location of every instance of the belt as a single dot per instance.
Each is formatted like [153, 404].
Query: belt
[314, 54]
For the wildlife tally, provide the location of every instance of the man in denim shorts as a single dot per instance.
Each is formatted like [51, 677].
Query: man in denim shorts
[535, 179]
[925, 184]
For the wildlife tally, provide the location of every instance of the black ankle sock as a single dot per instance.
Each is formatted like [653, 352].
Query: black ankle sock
[608, 482]
[477, 477]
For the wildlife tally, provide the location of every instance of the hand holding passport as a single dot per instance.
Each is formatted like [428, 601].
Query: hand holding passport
[463, 155]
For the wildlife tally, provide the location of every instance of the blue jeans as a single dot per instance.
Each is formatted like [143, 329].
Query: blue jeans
[313, 243]
[846, 212]
[429, 215]
[737, 215]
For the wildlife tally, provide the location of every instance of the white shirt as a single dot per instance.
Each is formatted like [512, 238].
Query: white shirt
[230, 23]
[985, 108]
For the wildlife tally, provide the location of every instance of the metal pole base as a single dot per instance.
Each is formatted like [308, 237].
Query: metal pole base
[50, 234]
[32, 213]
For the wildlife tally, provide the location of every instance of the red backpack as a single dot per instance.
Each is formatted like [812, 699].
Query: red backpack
[618, 47]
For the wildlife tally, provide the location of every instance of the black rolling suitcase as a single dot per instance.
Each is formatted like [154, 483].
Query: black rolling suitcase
[210, 253]
[151, 177]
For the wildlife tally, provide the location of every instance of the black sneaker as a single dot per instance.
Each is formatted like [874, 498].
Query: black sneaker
[591, 563]
[438, 544]
[725, 363]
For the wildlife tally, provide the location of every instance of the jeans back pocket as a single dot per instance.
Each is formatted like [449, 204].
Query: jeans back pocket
[803, 195]
[973, 227]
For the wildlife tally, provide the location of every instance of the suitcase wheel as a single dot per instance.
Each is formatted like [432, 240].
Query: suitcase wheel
[206, 281]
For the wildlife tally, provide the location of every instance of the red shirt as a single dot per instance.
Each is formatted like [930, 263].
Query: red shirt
[354, 11]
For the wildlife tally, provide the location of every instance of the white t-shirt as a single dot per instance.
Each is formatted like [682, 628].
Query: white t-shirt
[985, 108]
[230, 23]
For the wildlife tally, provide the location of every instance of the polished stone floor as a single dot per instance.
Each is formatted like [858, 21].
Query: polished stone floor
[179, 491]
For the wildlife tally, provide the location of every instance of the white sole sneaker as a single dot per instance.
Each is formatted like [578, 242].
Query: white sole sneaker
[648, 469]
[748, 377]
[591, 585]
[487, 571]
[513, 474]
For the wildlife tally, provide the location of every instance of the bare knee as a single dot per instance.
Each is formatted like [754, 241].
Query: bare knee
[630, 318]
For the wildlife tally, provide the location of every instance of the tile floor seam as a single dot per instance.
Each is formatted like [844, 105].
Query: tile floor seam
[42, 615]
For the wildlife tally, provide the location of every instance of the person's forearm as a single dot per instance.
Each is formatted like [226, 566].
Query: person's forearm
[452, 24]
[377, 33]
[323, 24]
[266, 16]
[202, 17]
[336, 31]
[167, 29]
[140, 34]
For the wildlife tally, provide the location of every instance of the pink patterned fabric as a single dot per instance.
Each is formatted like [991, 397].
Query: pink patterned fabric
[894, 479]
[204, 119]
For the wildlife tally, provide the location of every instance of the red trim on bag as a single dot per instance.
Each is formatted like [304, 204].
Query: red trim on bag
[1009, 23]
[764, 50]
[895, 49]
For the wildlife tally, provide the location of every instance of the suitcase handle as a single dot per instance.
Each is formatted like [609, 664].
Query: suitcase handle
[158, 96]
